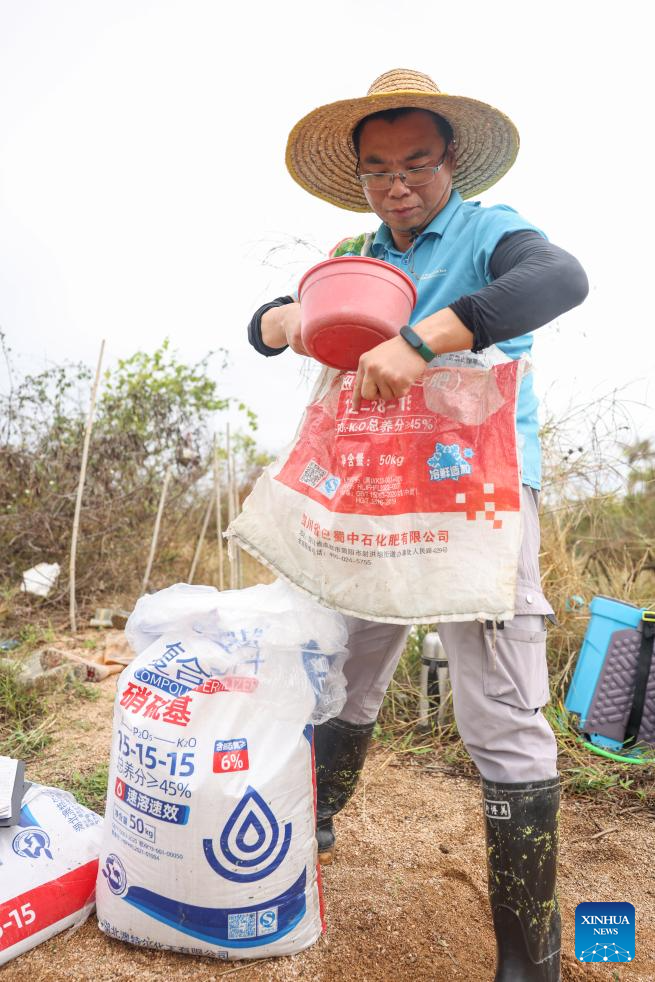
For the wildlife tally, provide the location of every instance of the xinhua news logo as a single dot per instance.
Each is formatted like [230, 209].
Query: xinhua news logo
[605, 932]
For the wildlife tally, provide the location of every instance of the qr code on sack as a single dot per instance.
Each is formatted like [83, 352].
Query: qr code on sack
[242, 925]
[313, 474]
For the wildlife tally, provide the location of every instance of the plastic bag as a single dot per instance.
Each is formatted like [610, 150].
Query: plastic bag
[288, 618]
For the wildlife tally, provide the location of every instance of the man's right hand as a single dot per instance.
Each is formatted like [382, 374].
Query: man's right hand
[281, 325]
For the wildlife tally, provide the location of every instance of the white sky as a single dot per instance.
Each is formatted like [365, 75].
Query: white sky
[142, 176]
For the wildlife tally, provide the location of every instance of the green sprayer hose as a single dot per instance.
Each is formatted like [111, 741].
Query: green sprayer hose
[618, 757]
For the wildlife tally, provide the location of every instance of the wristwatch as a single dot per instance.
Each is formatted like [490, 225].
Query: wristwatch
[417, 343]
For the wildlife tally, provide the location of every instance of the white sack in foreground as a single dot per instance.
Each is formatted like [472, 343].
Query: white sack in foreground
[209, 843]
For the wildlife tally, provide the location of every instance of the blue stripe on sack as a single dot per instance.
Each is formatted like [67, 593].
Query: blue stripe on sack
[27, 819]
[211, 923]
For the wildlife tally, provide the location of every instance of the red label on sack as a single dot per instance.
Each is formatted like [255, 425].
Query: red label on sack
[431, 451]
[230, 755]
[229, 683]
[211, 686]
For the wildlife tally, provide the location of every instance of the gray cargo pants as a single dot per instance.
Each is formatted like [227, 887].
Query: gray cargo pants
[499, 684]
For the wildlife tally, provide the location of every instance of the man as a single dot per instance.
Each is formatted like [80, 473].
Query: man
[485, 278]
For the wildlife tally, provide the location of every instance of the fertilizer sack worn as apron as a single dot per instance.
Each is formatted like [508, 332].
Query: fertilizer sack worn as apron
[208, 844]
[407, 511]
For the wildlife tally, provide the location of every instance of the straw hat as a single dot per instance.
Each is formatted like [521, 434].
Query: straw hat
[321, 157]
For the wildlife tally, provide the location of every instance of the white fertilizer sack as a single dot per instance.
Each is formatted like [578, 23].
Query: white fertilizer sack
[209, 843]
[48, 866]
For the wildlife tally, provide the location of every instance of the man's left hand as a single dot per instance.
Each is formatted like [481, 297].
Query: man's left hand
[387, 371]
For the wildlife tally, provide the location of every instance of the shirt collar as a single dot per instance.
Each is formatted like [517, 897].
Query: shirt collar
[383, 239]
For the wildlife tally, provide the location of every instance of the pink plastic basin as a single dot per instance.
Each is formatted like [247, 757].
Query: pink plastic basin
[349, 305]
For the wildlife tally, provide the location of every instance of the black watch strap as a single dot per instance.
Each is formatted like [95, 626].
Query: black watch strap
[417, 343]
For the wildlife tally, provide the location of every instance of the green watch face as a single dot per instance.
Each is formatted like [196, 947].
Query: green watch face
[411, 337]
[416, 342]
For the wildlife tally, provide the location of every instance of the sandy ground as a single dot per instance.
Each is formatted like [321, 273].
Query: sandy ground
[406, 898]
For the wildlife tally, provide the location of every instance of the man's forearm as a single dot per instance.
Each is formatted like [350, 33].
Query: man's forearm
[272, 325]
[444, 332]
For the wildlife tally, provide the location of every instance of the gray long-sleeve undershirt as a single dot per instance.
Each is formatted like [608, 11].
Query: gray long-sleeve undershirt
[534, 282]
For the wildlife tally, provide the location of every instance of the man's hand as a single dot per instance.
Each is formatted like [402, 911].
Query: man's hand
[387, 371]
[390, 370]
[281, 325]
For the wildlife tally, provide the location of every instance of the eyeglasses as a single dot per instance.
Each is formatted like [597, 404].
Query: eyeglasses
[415, 177]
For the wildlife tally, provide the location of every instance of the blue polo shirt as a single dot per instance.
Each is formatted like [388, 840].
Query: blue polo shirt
[450, 259]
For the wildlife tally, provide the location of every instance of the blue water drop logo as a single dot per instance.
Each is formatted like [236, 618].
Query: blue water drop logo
[252, 823]
[251, 835]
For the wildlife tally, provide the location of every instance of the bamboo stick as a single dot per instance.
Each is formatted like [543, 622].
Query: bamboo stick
[80, 490]
[230, 510]
[219, 518]
[234, 498]
[235, 492]
[201, 539]
[155, 533]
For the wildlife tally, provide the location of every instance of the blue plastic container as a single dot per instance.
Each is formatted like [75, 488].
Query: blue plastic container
[607, 617]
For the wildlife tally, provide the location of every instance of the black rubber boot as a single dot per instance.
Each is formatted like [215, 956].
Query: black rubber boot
[522, 831]
[339, 752]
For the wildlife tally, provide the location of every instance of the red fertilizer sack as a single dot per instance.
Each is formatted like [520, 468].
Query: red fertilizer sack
[407, 511]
